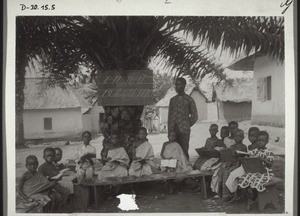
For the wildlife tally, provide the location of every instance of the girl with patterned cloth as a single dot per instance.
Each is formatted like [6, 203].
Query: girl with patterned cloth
[232, 180]
[256, 182]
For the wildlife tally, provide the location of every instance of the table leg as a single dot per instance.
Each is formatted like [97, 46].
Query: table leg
[96, 196]
[204, 187]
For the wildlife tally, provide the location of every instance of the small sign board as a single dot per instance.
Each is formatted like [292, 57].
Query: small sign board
[128, 88]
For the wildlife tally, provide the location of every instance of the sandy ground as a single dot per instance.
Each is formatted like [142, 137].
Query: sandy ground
[155, 197]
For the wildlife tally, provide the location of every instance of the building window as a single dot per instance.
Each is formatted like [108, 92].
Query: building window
[264, 88]
[47, 123]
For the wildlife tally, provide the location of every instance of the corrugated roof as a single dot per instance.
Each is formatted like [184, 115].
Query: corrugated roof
[39, 96]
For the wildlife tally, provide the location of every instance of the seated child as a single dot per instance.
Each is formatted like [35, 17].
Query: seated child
[211, 143]
[223, 134]
[252, 136]
[172, 150]
[86, 147]
[223, 168]
[57, 158]
[87, 158]
[229, 141]
[49, 170]
[256, 182]
[117, 160]
[142, 155]
[34, 187]
[232, 181]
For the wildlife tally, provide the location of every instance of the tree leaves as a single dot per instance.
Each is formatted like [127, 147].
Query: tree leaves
[119, 42]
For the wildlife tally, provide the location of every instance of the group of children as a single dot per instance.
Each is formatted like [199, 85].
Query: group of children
[230, 175]
[38, 185]
[138, 161]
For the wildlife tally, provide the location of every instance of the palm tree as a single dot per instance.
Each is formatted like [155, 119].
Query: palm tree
[129, 43]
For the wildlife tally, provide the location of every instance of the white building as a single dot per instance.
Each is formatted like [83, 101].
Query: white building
[268, 104]
[52, 112]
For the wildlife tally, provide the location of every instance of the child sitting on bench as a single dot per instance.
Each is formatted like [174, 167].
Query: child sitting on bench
[211, 143]
[49, 170]
[172, 150]
[116, 162]
[116, 159]
[232, 180]
[142, 155]
[255, 182]
[87, 158]
[224, 167]
[33, 187]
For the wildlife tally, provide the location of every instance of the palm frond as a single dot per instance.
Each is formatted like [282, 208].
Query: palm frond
[263, 34]
[190, 60]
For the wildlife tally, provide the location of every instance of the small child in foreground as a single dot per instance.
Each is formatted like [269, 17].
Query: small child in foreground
[256, 182]
[211, 143]
[87, 159]
[142, 155]
[116, 162]
[223, 168]
[49, 170]
[172, 150]
[116, 159]
[238, 146]
[232, 180]
[33, 186]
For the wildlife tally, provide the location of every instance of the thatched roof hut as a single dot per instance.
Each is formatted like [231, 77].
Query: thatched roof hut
[40, 96]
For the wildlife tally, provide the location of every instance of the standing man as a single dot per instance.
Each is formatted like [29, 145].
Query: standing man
[182, 115]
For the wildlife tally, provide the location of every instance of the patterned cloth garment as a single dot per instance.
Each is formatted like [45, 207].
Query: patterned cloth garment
[258, 180]
[182, 112]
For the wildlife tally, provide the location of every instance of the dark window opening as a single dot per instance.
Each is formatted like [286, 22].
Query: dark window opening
[47, 123]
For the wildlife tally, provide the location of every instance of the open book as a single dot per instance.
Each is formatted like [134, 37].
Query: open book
[60, 174]
[241, 152]
[168, 163]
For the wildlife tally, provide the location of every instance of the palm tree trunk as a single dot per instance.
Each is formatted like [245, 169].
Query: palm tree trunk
[124, 120]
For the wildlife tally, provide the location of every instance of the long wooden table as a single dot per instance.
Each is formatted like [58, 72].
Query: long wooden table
[155, 177]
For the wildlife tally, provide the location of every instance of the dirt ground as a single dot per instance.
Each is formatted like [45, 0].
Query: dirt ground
[154, 196]
[155, 199]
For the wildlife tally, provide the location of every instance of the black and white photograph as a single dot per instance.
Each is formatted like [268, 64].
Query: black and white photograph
[150, 114]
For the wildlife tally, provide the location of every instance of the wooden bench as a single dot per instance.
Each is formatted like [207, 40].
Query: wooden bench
[269, 196]
[155, 177]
